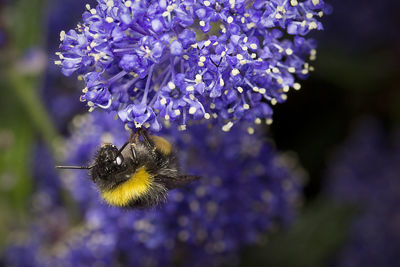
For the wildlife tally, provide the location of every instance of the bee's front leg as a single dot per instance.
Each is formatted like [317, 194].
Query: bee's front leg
[148, 141]
[134, 138]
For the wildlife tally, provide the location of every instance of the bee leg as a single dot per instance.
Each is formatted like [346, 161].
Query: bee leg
[134, 138]
[133, 151]
[147, 139]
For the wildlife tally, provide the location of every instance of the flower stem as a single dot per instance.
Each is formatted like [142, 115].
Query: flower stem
[24, 88]
[146, 90]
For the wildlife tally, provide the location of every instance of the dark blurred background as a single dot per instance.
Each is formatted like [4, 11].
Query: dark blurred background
[356, 82]
[356, 75]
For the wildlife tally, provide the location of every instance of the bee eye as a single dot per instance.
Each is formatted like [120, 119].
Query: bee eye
[118, 160]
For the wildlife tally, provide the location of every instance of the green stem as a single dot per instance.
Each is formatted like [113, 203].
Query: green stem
[36, 112]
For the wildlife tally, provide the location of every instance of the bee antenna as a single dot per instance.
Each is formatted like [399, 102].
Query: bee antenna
[122, 148]
[75, 167]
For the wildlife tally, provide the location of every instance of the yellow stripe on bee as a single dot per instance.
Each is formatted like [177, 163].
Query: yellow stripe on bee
[136, 186]
[163, 145]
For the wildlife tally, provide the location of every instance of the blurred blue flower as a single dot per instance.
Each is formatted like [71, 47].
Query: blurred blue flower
[227, 60]
[246, 189]
[365, 172]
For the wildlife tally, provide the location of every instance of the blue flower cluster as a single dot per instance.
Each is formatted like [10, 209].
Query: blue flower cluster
[246, 190]
[365, 173]
[177, 60]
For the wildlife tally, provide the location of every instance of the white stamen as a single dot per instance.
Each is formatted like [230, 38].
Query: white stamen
[296, 86]
[235, 72]
[62, 36]
[171, 85]
[192, 110]
[253, 46]
[227, 126]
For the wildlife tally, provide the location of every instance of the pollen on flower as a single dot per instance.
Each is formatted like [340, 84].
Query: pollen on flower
[171, 85]
[198, 79]
[250, 130]
[235, 72]
[192, 110]
[163, 101]
[227, 127]
[286, 89]
[296, 86]
[62, 35]
[253, 46]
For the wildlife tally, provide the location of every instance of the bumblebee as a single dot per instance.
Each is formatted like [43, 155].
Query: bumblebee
[137, 175]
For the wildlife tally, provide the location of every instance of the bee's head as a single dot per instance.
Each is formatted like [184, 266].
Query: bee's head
[109, 162]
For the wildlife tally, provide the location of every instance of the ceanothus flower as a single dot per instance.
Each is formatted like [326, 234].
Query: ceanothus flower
[365, 173]
[246, 190]
[228, 60]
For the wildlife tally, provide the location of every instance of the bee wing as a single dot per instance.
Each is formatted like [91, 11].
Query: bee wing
[179, 181]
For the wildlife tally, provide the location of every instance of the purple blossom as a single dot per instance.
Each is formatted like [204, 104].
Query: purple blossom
[175, 61]
[246, 189]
